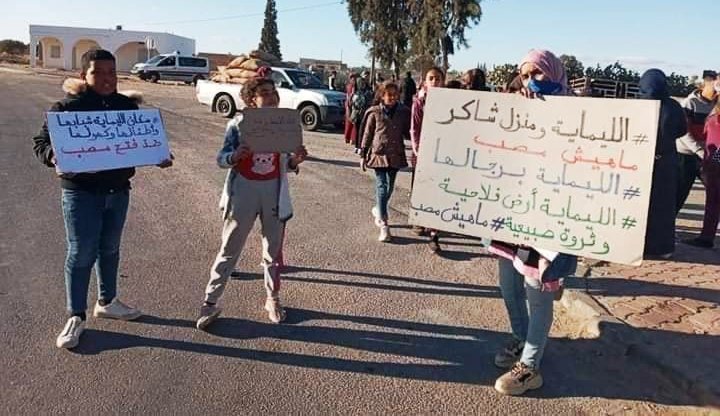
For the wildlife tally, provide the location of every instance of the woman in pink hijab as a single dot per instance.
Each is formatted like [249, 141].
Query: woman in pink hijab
[530, 278]
[544, 74]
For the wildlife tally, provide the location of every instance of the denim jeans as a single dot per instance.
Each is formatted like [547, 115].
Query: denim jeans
[93, 226]
[384, 185]
[530, 311]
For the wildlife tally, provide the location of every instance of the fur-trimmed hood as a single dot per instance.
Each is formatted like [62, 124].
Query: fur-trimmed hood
[75, 86]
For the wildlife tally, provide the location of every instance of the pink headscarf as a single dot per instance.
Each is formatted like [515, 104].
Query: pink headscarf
[549, 64]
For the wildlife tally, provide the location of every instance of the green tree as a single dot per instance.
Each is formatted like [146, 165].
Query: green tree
[573, 67]
[269, 41]
[383, 26]
[615, 72]
[453, 74]
[13, 47]
[439, 27]
[419, 63]
[499, 75]
[679, 85]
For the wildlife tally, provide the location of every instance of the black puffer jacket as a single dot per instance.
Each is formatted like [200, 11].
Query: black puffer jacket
[81, 98]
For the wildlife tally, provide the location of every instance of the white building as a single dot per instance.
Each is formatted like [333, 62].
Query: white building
[62, 47]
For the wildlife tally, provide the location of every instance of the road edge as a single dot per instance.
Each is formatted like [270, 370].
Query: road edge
[622, 339]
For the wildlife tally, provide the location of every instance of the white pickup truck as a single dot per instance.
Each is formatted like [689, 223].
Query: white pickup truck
[298, 89]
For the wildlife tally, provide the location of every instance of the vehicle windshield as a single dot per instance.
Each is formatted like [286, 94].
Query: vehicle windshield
[155, 59]
[303, 79]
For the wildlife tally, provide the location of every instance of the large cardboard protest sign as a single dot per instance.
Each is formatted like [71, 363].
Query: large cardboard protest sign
[91, 141]
[271, 129]
[565, 174]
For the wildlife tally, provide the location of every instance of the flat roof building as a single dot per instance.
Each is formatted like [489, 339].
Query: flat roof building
[62, 47]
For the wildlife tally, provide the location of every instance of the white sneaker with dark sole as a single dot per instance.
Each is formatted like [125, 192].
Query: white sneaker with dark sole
[510, 354]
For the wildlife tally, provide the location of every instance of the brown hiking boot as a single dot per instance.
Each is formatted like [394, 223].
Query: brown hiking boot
[518, 380]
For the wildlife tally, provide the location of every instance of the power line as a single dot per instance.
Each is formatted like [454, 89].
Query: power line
[240, 16]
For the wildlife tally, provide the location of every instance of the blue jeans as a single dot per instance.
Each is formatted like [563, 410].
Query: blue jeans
[93, 226]
[384, 185]
[530, 311]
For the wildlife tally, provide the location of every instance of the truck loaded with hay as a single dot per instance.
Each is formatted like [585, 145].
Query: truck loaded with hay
[298, 89]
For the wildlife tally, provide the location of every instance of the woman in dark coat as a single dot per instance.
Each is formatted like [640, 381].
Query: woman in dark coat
[660, 235]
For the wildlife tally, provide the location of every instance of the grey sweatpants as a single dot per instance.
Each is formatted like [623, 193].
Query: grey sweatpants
[250, 199]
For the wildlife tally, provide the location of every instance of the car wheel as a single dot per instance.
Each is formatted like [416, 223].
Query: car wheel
[225, 105]
[154, 77]
[310, 116]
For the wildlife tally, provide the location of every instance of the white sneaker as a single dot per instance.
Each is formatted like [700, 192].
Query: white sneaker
[276, 313]
[70, 335]
[376, 216]
[116, 310]
[384, 234]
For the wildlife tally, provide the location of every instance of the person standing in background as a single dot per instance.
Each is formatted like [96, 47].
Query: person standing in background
[660, 234]
[690, 147]
[332, 80]
[409, 89]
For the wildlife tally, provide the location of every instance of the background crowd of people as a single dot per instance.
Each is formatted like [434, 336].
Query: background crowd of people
[383, 115]
[686, 147]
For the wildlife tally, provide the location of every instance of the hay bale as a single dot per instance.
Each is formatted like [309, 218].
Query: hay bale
[240, 73]
[220, 78]
[235, 63]
[253, 64]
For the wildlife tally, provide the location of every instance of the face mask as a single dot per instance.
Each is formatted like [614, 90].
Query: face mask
[544, 87]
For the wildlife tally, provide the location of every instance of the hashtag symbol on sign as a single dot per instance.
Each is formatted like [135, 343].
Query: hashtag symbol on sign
[640, 139]
[628, 223]
[498, 224]
[631, 192]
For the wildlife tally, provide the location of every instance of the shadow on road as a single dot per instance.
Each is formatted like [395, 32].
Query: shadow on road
[428, 352]
[394, 283]
[348, 163]
[621, 286]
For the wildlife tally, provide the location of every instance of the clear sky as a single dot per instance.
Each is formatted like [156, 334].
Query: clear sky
[672, 35]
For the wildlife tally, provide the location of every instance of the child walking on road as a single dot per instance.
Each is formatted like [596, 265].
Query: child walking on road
[383, 149]
[434, 77]
[256, 185]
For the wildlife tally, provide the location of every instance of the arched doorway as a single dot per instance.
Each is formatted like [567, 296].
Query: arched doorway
[82, 46]
[52, 53]
[131, 53]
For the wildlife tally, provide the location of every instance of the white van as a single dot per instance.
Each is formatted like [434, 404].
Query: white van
[173, 67]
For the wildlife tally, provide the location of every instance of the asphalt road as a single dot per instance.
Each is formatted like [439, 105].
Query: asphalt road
[373, 328]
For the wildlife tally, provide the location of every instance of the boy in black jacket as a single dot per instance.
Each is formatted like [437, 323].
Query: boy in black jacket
[94, 204]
